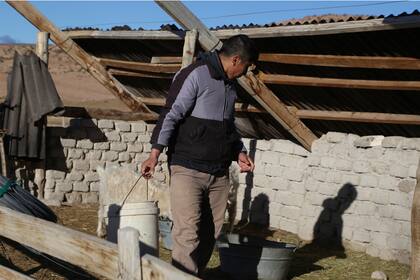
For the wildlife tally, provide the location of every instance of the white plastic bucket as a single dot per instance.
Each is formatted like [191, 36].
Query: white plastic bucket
[142, 216]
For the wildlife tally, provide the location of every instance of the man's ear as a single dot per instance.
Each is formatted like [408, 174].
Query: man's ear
[236, 60]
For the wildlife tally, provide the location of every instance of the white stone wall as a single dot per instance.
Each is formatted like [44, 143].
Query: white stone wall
[305, 188]
[77, 147]
[291, 188]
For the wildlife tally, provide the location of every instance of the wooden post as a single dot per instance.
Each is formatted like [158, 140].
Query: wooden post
[129, 267]
[39, 167]
[189, 47]
[415, 231]
[10, 274]
[42, 46]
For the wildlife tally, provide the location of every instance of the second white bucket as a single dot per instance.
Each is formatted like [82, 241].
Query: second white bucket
[142, 216]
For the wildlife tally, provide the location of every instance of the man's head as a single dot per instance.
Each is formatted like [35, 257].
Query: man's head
[237, 54]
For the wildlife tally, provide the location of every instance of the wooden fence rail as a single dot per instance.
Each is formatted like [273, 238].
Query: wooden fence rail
[86, 251]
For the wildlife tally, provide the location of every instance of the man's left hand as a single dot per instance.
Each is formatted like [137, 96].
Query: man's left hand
[245, 163]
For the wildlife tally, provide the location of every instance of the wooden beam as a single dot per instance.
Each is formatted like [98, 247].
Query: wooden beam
[78, 248]
[116, 72]
[10, 274]
[41, 48]
[140, 66]
[376, 62]
[65, 43]
[166, 59]
[264, 32]
[97, 113]
[338, 83]
[415, 230]
[189, 48]
[129, 254]
[250, 83]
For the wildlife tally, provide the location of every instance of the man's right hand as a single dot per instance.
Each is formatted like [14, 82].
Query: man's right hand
[148, 166]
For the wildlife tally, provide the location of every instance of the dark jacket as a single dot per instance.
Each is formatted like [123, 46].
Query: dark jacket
[197, 122]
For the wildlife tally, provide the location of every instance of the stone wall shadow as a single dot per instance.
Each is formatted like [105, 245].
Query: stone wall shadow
[249, 180]
[327, 233]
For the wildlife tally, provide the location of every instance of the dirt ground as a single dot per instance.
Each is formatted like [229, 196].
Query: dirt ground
[310, 262]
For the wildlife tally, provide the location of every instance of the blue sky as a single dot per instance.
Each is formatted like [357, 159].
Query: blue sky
[105, 14]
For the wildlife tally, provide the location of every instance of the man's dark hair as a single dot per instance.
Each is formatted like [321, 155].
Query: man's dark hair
[240, 45]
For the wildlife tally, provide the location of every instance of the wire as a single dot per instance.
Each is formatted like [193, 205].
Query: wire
[252, 13]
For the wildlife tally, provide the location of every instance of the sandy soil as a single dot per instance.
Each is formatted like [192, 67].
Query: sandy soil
[75, 86]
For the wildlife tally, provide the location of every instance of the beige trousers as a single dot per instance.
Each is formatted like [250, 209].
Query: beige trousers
[198, 204]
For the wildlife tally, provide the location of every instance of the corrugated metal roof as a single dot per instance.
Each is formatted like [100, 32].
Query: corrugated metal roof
[403, 42]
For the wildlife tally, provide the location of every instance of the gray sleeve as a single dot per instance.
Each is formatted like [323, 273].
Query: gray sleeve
[184, 102]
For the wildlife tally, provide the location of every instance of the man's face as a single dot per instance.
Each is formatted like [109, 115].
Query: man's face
[237, 67]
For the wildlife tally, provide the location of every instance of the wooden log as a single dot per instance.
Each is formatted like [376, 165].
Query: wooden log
[64, 42]
[375, 62]
[81, 249]
[415, 231]
[10, 274]
[166, 59]
[338, 83]
[129, 267]
[41, 48]
[264, 96]
[154, 268]
[264, 32]
[116, 72]
[189, 48]
[110, 114]
[140, 66]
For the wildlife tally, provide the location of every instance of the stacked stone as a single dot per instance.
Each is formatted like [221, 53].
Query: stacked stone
[380, 170]
[76, 150]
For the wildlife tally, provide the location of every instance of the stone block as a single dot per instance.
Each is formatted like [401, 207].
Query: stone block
[371, 250]
[110, 156]
[94, 155]
[328, 189]
[138, 127]
[142, 157]
[288, 225]
[335, 137]
[392, 141]
[309, 210]
[399, 171]
[75, 176]
[122, 126]
[361, 167]
[91, 177]
[101, 146]
[319, 174]
[129, 137]
[135, 148]
[68, 143]
[63, 187]
[406, 228]
[368, 141]
[270, 157]
[74, 198]
[91, 197]
[264, 145]
[143, 138]
[387, 254]
[328, 162]
[81, 165]
[284, 146]
[412, 170]
[75, 154]
[407, 185]
[94, 186]
[300, 151]
[297, 187]
[81, 187]
[94, 164]
[57, 195]
[364, 194]
[106, 124]
[388, 182]
[113, 136]
[361, 235]
[344, 165]
[399, 198]
[333, 177]
[147, 147]
[314, 160]
[124, 157]
[290, 212]
[367, 180]
[311, 184]
[380, 196]
[293, 174]
[291, 161]
[49, 184]
[380, 239]
[320, 147]
[56, 174]
[401, 213]
[380, 167]
[261, 181]
[119, 147]
[316, 198]
[305, 229]
[399, 243]
[365, 208]
[84, 144]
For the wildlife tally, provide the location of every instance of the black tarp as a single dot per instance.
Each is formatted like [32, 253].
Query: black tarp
[31, 95]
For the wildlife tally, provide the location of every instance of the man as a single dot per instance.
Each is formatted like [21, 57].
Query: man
[197, 126]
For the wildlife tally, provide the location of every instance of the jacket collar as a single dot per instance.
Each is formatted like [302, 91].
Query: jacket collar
[214, 64]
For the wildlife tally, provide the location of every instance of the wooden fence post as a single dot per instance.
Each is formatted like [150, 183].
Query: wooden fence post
[129, 267]
[415, 231]
[189, 47]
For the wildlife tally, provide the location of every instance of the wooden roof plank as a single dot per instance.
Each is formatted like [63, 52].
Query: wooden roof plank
[250, 83]
[64, 42]
[376, 62]
[140, 66]
[338, 83]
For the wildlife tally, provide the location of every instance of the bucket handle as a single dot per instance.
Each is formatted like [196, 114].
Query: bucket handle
[132, 188]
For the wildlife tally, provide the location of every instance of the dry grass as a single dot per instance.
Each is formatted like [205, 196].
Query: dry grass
[311, 262]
